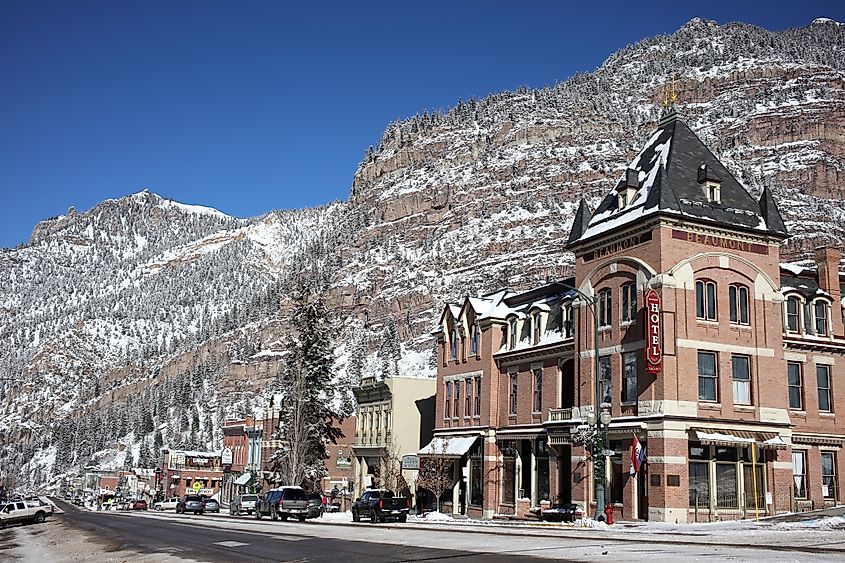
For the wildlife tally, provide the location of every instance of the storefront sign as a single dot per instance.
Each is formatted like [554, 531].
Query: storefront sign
[411, 462]
[226, 456]
[618, 246]
[206, 492]
[723, 243]
[653, 354]
[344, 462]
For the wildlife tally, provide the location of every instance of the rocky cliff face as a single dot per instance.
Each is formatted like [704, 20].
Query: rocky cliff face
[102, 304]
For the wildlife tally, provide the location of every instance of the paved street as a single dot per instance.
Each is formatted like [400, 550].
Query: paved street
[156, 535]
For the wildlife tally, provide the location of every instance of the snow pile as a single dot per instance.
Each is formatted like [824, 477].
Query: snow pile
[590, 523]
[824, 523]
[436, 517]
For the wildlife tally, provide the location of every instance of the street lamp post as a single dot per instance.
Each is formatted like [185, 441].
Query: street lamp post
[600, 421]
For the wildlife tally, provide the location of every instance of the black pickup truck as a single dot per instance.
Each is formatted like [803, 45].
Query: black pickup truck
[380, 505]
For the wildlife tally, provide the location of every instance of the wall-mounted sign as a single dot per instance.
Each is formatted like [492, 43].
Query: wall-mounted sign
[723, 243]
[653, 354]
[411, 462]
[618, 246]
[226, 456]
[344, 462]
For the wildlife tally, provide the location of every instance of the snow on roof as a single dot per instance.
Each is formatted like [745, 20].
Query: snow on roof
[792, 267]
[540, 305]
[449, 446]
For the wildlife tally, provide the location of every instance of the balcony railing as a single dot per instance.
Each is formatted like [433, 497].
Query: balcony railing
[559, 415]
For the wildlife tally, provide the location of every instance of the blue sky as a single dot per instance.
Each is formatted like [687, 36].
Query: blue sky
[252, 106]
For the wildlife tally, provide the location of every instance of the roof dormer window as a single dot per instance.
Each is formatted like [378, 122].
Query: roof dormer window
[711, 183]
[626, 190]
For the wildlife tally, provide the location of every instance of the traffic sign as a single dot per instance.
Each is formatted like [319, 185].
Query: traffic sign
[197, 486]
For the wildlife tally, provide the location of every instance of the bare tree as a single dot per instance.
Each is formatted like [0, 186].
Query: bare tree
[389, 469]
[435, 472]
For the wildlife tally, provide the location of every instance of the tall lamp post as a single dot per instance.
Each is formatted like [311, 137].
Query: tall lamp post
[603, 420]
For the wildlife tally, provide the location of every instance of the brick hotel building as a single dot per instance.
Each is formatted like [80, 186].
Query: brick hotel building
[735, 405]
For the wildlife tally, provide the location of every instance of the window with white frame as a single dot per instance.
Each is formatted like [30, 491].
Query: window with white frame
[454, 344]
[605, 300]
[795, 382]
[738, 300]
[707, 377]
[823, 382]
[513, 394]
[629, 302]
[535, 327]
[629, 377]
[538, 389]
[793, 314]
[513, 336]
[705, 300]
[475, 339]
[447, 404]
[467, 398]
[799, 473]
[478, 396]
[741, 368]
[820, 317]
[828, 474]
[456, 412]
[566, 319]
[605, 379]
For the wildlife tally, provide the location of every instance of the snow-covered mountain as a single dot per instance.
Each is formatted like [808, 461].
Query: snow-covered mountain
[147, 308]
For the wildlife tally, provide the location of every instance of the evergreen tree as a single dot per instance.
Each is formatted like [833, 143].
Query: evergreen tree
[307, 413]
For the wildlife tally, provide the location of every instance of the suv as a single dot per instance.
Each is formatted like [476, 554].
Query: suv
[283, 503]
[166, 504]
[243, 503]
[190, 503]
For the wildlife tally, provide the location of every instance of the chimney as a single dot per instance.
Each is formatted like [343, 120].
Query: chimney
[828, 259]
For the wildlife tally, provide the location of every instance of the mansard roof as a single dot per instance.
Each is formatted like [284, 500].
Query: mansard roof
[669, 175]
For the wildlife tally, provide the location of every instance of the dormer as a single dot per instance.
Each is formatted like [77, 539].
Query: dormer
[539, 315]
[627, 189]
[514, 333]
[710, 183]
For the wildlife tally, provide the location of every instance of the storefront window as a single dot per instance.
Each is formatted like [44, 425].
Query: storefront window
[476, 495]
[799, 474]
[726, 486]
[828, 475]
[699, 484]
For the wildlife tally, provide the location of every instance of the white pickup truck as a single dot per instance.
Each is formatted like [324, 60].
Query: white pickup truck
[20, 512]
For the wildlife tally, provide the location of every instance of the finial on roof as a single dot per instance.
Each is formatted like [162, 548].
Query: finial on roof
[670, 99]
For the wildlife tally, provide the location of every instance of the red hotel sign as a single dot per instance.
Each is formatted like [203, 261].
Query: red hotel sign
[653, 355]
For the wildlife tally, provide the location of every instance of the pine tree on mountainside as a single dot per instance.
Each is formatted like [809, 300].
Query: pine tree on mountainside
[306, 412]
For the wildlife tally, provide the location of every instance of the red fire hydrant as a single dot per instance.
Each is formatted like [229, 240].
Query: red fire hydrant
[608, 513]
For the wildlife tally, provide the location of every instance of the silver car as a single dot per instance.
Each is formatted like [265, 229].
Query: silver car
[190, 503]
[211, 505]
[243, 504]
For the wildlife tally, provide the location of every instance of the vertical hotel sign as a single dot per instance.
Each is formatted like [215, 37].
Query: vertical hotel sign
[653, 354]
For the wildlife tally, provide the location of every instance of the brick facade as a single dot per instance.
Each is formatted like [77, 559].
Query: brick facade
[720, 421]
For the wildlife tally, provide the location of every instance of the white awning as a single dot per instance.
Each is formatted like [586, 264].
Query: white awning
[767, 440]
[243, 479]
[450, 446]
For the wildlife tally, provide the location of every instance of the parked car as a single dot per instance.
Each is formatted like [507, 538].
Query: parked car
[283, 503]
[166, 504]
[190, 503]
[20, 512]
[211, 505]
[315, 505]
[243, 504]
[380, 505]
[139, 504]
[562, 512]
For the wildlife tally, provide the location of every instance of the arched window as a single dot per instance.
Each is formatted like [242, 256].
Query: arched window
[705, 300]
[605, 300]
[535, 327]
[513, 336]
[820, 316]
[793, 314]
[738, 298]
[629, 303]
